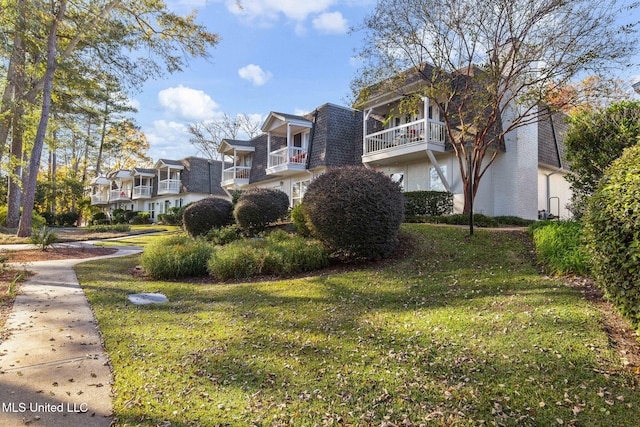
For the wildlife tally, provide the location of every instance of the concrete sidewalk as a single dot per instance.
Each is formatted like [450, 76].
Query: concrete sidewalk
[53, 369]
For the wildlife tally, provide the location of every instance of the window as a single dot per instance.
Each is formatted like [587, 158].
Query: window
[297, 191]
[151, 208]
[434, 179]
[301, 140]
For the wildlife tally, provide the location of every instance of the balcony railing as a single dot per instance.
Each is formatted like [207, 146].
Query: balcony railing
[121, 194]
[236, 172]
[288, 156]
[169, 186]
[141, 191]
[420, 131]
[100, 198]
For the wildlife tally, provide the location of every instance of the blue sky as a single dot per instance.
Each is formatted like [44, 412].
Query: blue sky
[289, 56]
[275, 55]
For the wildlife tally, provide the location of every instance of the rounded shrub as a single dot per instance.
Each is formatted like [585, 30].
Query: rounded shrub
[355, 211]
[258, 207]
[175, 257]
[612, 233]
[206, 214]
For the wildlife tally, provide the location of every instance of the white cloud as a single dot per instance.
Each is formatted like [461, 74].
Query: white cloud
[168, 139]
[300, 112]
[269, 11]
[331, 23]
[134, 103]
[255, 74]
[187, 103]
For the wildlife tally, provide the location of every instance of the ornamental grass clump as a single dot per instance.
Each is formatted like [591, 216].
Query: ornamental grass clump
[356, 212]
[560, 247]
[278, 254]
[175, 257]
[206, 214]
[612, 233]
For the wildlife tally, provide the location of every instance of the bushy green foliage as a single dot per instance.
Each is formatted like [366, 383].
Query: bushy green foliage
[206, 214]
[105, 228]
[594, 140]
[140, 218]
[256, 208]
[37, 220]
[224, 235]
[176, 256]
[300, 220]
[432, 203]
[43, 237]
[99, 218]
[560, 247]
[356, 212]
[277, 254]
[118, 216]
[173, 216]
[613, 233]
[67, 219]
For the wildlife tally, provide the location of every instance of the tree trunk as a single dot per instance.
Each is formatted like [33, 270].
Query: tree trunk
[29, 183]
[16, 81]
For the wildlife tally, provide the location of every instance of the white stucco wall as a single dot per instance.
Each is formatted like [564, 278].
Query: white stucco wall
[515, 173]
[558, 190]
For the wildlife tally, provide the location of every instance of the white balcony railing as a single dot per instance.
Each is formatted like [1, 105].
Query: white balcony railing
[415, 132]
[141, 191]
[120, 194]
[288, 156]
[100, 198]
[236, 172]
[169, 186]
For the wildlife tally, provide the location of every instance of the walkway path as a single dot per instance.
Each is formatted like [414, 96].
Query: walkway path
[53, 369]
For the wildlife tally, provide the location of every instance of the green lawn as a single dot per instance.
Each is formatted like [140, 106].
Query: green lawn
[456, 333]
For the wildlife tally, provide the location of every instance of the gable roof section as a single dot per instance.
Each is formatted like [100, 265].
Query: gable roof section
[174, 164]
[143, 172]
[228, 145]
[276, 123]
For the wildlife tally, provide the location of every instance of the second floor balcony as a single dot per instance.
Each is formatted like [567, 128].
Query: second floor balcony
[236, 176]
[120, 195]
[100, 198]
[287, 160]
[169, 186]
[405, 139]
[142, 192]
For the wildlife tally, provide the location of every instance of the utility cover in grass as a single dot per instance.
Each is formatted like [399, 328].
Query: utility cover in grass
[147, 298]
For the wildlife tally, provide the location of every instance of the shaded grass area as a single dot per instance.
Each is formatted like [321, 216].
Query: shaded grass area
[458, 332]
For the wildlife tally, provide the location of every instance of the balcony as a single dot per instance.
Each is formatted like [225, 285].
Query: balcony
[142, 192]
[287, 160]
[120, 195]
[405, 140]
[169, 186]
[236, 176]
[100, 198]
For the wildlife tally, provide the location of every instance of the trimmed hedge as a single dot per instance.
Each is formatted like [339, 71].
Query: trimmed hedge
[206, 214]
[612, 233]
[258, 207]
[432, 203]
[356, 212]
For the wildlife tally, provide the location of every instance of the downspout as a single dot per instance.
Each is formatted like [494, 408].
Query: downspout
[311, 137]
[548, 176]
